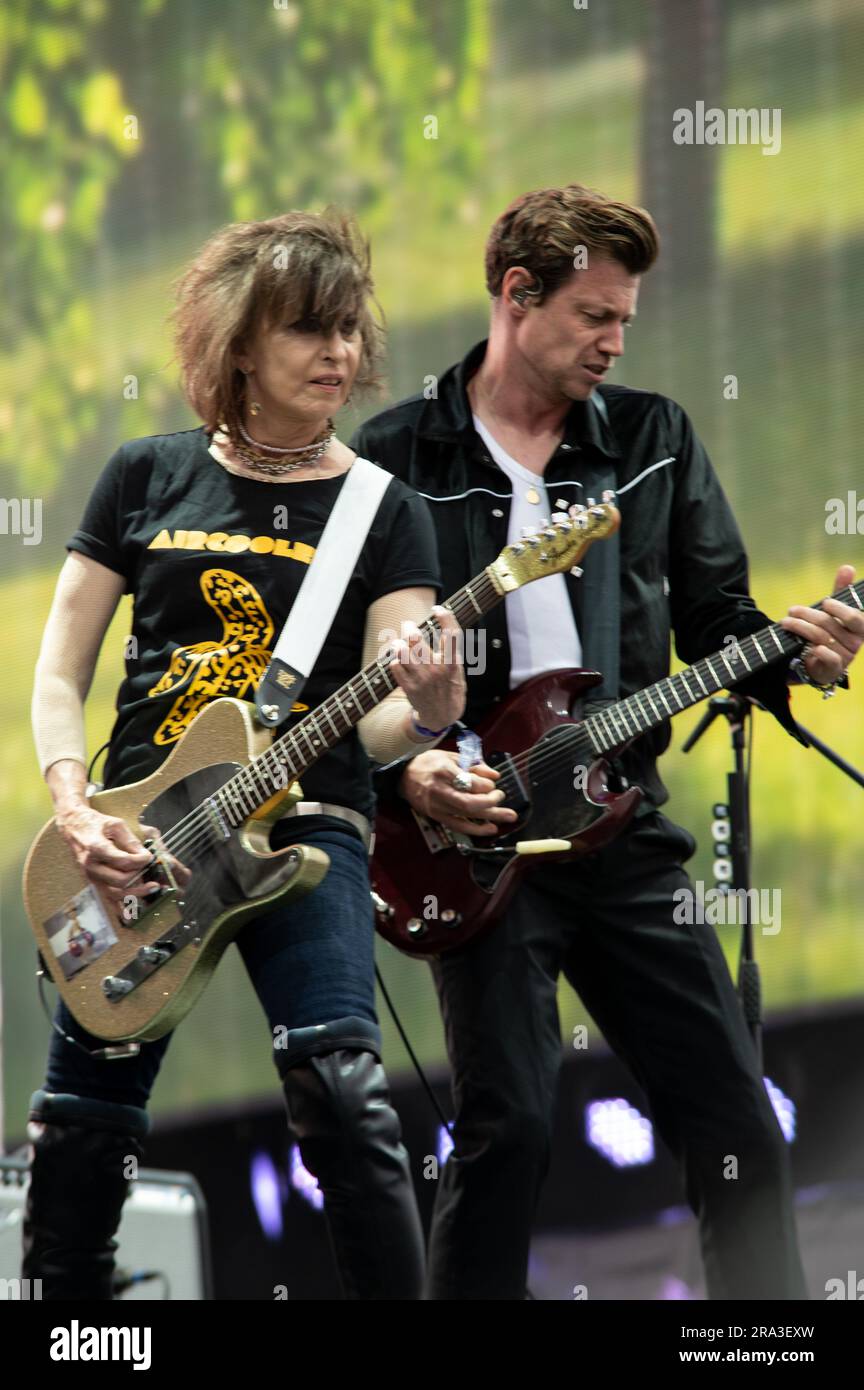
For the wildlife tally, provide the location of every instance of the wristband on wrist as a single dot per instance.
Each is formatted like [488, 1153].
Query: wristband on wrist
[797, 665]
[423, 731]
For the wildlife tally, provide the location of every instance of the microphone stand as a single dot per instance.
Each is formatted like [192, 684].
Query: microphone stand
[736, 710]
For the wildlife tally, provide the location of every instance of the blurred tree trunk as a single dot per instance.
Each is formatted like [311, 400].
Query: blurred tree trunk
[685, 43]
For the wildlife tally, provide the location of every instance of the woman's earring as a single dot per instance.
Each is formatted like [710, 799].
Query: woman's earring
[254, 406]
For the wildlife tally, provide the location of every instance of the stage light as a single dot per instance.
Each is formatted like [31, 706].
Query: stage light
[617, 1130]
[784, 1109]
[303, 1181]
[266, 1194]
[675, 1289]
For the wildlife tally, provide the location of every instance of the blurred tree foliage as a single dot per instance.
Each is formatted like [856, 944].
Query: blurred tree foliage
[65, 139]
[336, 98]
[292, 106]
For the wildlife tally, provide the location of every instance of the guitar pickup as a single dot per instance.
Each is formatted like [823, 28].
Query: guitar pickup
[160, 869]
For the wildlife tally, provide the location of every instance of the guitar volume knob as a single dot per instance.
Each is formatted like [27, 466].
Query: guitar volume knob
[115, 987]
[153, 955]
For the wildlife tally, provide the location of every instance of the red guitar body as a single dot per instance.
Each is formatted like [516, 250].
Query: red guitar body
[436, 891]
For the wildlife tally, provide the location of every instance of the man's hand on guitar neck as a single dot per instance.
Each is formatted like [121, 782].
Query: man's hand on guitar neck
[427, 786]
[834, 632]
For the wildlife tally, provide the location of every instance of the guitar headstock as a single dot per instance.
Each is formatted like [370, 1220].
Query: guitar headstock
[555, 548]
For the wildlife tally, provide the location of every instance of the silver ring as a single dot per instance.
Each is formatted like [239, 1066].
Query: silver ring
[461, 780]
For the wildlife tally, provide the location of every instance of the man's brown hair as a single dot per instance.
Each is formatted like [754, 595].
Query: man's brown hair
[543, 230]
[299, 268]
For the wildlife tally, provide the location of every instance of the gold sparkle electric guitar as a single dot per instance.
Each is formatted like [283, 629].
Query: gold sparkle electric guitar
[133, 973]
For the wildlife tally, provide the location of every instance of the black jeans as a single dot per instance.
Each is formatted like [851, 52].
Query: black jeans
[662, 995]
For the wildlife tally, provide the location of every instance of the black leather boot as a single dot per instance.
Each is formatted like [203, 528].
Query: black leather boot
[350, 1139]
[79, 1179]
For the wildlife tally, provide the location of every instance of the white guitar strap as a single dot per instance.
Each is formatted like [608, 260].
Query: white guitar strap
[321, 591]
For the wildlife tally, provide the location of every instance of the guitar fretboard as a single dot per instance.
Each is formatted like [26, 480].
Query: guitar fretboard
[291, 755]
[618, 723]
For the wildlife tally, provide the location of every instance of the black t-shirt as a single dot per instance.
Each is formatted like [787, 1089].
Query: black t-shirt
[214, 562]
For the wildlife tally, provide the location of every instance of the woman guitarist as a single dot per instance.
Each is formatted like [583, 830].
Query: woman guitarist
[212, 530]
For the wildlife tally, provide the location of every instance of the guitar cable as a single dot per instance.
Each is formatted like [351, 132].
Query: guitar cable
[107, 1054]
[415, 1061]
[424, 1080]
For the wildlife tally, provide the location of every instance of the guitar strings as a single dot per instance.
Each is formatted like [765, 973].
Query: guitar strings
[179, 841]
[539, 764]
[194, 831]
[536, 764]
[196, 822]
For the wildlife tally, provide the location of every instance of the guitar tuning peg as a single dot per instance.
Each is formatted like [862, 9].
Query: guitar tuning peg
[558, 517]
[591, 502]
[527, 530]
[609, 495]
[577, 571]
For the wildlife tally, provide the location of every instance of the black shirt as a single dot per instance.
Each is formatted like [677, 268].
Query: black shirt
[214, 562]
[682, 560]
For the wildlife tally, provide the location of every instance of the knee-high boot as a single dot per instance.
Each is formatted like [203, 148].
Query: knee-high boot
[350, 1139]
[79, 1179]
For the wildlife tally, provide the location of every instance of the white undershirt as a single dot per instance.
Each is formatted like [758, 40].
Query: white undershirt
[540, 622]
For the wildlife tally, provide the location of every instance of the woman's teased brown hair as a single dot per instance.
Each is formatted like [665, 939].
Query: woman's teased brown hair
[541, 231]
[297, 268]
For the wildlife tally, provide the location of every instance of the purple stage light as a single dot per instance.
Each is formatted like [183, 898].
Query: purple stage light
[784, 1109]
[675, 1289]
[617, 1130]
[303, 1181]
[264, 1180]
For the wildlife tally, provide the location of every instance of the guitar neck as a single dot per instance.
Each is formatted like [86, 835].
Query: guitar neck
[290, 756]
[619, 723]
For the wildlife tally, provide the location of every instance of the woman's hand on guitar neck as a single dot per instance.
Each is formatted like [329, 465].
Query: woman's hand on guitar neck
[433, 680]
[427, 786]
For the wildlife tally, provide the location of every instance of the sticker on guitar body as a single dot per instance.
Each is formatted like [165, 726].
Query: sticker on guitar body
[80, 932]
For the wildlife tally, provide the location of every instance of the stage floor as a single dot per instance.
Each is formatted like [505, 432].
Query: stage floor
[661, 1260]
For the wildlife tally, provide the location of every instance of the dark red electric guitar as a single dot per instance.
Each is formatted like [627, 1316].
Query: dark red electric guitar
[436, 889]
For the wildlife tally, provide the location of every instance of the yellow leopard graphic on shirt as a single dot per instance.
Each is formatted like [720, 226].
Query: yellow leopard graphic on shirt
[233, 664]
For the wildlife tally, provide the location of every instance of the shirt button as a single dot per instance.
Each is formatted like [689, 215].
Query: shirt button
[496, 642]
[496, 511]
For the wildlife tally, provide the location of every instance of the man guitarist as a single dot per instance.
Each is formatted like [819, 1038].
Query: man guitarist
[522, 427]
